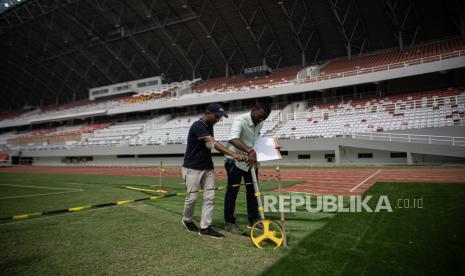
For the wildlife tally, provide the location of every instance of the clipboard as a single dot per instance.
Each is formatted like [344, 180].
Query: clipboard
[267, 149]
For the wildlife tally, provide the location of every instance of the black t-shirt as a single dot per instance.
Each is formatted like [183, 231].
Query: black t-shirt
[198, 156]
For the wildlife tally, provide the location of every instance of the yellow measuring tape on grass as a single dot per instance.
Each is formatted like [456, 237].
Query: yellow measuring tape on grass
[163, 191]
[88, 207]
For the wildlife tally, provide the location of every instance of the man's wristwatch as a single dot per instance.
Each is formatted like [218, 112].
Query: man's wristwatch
[250, 150]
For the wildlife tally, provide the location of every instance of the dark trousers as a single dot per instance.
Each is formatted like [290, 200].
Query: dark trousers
[235, 176]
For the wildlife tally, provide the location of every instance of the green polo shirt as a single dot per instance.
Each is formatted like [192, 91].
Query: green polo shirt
[245, 130]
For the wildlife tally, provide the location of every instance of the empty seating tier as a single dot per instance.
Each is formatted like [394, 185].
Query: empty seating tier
[398, 112]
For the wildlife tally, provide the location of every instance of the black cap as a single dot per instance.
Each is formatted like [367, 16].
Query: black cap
[217, 109]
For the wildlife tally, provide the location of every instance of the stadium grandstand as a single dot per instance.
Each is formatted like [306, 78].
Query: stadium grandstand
[97, 83]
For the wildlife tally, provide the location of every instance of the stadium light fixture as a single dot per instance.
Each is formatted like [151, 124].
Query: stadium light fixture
[9, 4]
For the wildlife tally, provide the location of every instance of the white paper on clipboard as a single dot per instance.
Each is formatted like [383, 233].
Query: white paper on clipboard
[267, 149]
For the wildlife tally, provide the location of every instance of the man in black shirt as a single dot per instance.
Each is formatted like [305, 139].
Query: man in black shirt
[197, 169]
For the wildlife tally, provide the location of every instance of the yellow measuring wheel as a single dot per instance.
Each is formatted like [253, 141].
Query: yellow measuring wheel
[266, 233]
[264, 230]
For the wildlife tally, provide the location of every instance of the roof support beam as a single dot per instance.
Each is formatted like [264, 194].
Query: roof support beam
[276, 41]
[304, 30]
[404, 19]
[228, 38]
[93, 62]
[258, 26]
[36, 80]
[457, 11]
[92, 30]
[194, 44]
[227, 52]
[350, 25]
[27, 12]
[52, 27]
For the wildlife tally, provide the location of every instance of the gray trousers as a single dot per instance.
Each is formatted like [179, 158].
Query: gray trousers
[196, 180]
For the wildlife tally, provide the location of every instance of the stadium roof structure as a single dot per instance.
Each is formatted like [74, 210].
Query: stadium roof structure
[57, 49]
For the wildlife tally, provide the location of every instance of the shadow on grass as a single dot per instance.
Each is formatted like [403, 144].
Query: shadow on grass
[421, 241]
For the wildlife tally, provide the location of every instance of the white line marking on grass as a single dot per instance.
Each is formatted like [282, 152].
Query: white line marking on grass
[366, 179]
[33, 195]
[39, 187]
[42, 187]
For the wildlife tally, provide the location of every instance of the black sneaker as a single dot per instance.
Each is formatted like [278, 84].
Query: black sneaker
[190, 226]
[232, 228]
[211, 233]
[258, 226]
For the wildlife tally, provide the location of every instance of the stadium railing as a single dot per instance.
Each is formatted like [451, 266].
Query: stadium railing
[409, 138]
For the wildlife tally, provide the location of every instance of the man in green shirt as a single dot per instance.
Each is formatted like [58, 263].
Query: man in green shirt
[244, 132]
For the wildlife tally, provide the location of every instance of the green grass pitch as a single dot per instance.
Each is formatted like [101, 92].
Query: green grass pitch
[147, 237]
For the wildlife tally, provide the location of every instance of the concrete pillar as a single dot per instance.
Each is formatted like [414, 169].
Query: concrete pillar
[337, 155]
[409, 158]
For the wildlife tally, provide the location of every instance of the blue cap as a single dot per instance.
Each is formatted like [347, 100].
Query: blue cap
[217, 109]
